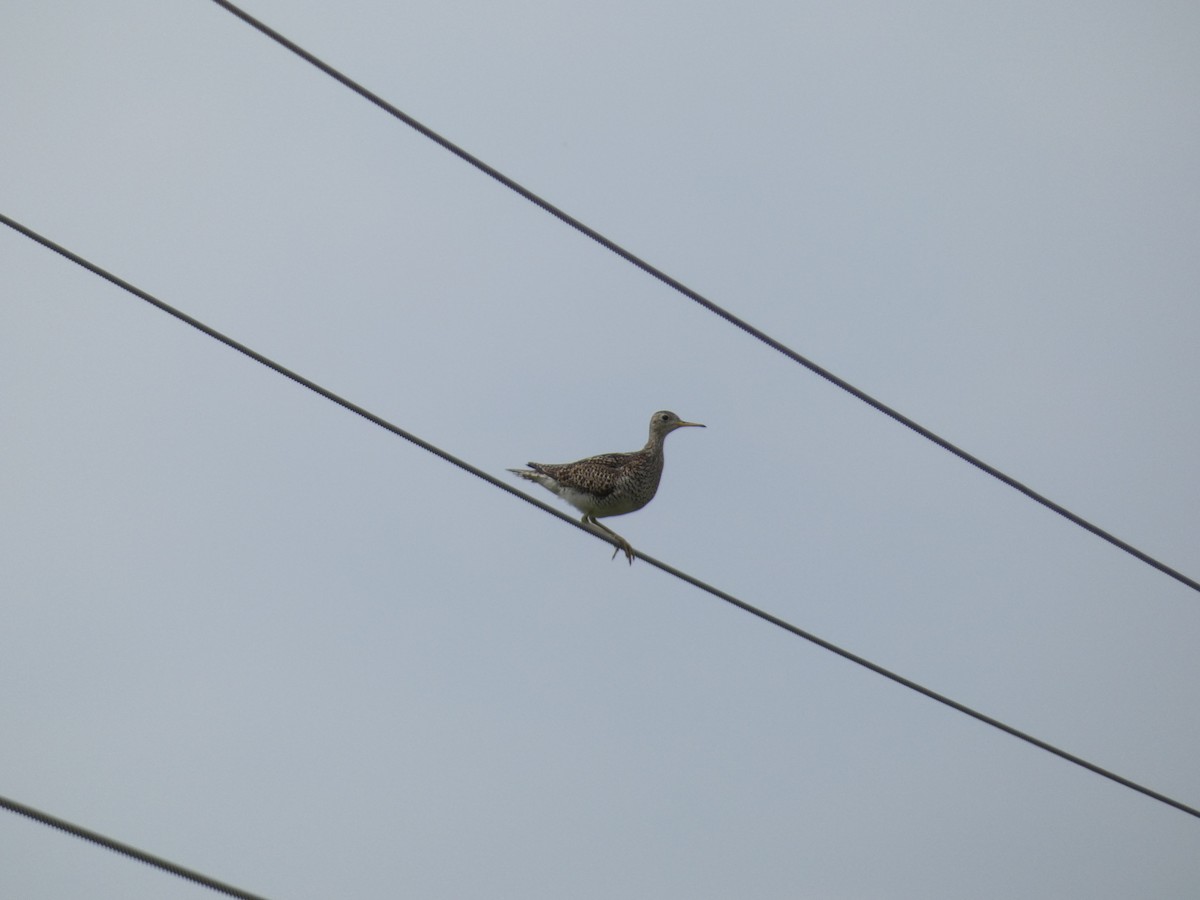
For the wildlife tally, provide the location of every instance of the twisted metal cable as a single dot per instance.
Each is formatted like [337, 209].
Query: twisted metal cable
[670, 570]
[712, 307]
[126, 850]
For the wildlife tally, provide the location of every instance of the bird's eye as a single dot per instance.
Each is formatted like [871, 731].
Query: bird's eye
[664, 418]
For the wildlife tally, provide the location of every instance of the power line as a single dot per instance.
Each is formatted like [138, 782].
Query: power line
[712, 307]
[670, 570]
[132, 852]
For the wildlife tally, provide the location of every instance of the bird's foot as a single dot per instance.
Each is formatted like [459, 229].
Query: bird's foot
[625, 546]
[621, 543]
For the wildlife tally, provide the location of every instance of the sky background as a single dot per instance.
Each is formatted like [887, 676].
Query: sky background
[252, 633]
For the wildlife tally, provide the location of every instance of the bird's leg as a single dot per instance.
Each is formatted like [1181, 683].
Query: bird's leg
[622, 544]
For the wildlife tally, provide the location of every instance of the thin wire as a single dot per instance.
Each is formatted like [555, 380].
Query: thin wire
[133, 852]
[670, 570]
[691, 294]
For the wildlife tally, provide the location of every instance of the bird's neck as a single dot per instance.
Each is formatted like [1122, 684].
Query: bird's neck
[655, 444]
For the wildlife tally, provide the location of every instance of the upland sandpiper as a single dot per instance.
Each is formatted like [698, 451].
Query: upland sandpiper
[611, 484]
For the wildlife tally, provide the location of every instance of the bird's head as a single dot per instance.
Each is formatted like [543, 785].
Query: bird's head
[664, 422]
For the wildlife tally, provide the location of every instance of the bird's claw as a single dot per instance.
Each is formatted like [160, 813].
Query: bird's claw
[627, 548]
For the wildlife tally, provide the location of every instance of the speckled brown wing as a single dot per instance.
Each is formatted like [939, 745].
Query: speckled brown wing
[596, 475]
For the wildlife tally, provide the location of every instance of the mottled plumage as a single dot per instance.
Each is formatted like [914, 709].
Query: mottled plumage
[611, 484]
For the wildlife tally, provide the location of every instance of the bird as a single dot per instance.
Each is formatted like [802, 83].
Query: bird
[611, 484]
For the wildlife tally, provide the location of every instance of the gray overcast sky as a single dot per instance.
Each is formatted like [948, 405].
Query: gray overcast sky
[254, 634]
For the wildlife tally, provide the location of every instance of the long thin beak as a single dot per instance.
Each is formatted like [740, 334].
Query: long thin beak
[690, 425]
